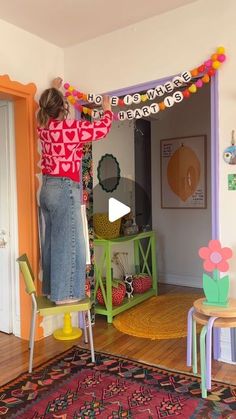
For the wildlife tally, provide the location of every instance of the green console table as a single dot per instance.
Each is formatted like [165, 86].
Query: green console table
[144, 256]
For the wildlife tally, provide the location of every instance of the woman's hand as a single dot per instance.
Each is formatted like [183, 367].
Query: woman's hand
[106, 106]
[57, 83]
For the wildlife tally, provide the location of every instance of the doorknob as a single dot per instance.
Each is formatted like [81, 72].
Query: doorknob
[3, 241]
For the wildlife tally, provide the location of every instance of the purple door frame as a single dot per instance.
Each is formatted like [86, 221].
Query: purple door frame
[214, 140]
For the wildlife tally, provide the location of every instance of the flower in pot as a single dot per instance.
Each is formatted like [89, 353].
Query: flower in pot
[216, 287]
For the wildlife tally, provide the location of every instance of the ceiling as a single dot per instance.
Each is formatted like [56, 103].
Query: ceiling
[68, 22]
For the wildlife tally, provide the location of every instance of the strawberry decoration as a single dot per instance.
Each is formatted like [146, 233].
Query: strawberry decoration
[142, 283]
[118, 294]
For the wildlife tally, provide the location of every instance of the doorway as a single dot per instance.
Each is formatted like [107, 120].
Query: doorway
[8, 216]
[211, 102]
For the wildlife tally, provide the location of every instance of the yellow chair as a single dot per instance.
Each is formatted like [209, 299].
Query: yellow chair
[44, 307]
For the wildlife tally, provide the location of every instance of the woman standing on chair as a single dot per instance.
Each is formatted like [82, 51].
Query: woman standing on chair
[62, 139]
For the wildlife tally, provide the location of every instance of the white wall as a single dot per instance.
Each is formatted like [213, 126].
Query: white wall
[27, 58]
[181, 232]
[161, 46]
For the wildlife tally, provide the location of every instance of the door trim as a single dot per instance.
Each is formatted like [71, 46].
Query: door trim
[12, 227]
[14, 271]
[27, 159]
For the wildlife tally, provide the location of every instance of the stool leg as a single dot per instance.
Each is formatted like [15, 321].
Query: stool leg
[216, 343]
[203, 361]
[209, 351]
[194, 344]
[189, 337]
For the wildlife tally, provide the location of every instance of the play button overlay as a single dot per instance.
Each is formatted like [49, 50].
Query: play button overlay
[117, 210]
[123, 198]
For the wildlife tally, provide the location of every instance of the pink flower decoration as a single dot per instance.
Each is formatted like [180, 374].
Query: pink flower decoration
[215, 256]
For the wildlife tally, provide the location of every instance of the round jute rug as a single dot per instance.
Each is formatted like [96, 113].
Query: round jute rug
[162, 317]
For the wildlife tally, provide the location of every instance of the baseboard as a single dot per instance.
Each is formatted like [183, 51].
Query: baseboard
[225, 355]
[226, 347]
[181, 280]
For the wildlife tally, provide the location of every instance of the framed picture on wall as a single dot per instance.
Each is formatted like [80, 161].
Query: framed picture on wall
[183, 172]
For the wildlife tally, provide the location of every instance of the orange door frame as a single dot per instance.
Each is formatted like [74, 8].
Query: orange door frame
[27, 158]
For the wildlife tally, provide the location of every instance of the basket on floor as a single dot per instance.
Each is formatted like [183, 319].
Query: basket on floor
[104, 228]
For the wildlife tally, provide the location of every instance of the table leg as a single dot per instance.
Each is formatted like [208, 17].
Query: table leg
[203, 361]
[154, 264]
[136, 257]
[109, 282]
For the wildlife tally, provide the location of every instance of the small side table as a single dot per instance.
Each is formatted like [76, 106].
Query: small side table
[209, 317]
[144, 261]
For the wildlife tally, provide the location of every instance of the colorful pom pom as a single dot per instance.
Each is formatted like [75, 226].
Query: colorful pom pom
[220, 50]
[192, 88]
[194, 72]
[162, 106]
[214, 57]
[206, 78]
[208, 63]
[199, 83]
[144, 98]
[216, 64]
[186, 93]
[221, 58]
[211, 72]
[202, 68]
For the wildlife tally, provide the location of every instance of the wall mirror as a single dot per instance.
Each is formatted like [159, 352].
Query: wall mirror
[108, 172]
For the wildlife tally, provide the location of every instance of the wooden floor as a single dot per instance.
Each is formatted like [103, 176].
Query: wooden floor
[168, 353]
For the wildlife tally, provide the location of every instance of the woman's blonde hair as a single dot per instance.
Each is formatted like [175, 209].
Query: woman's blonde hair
[52, 105]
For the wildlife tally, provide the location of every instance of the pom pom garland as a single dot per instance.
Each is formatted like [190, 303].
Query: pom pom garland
[205, 71]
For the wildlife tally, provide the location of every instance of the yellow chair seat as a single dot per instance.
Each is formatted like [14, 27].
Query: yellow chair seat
[48, 308]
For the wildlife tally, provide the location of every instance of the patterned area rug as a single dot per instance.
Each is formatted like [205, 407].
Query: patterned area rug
[71, 387]
[162, 317]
